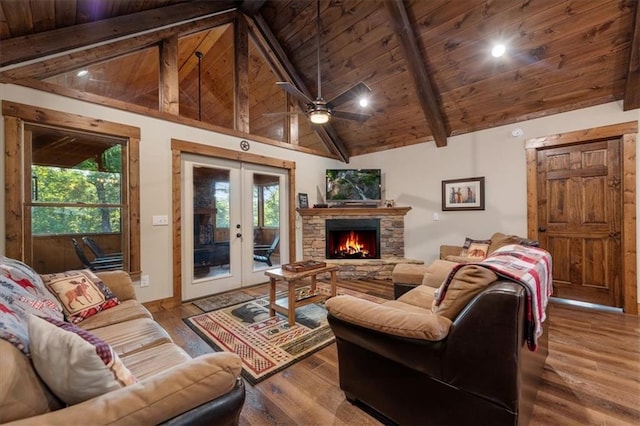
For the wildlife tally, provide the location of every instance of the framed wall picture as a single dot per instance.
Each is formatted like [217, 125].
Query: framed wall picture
[463, 194]
[303, 201]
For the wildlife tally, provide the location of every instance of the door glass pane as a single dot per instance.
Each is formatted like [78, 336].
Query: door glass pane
[210, 222]
[266, 221]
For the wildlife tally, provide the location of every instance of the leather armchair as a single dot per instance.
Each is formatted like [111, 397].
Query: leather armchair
[480, 372]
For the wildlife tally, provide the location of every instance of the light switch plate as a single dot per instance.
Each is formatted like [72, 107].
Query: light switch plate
[160, 220]
[144, 281]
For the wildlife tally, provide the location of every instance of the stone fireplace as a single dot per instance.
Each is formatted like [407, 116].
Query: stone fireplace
[317, 239]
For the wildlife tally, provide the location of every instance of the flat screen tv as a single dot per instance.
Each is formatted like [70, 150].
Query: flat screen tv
[353, 185]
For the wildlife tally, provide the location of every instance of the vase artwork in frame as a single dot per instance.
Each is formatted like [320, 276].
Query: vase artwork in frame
[463, 194]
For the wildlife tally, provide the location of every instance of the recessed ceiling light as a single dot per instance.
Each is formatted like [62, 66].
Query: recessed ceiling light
[82, 73]
[363, 102]
[498, 50]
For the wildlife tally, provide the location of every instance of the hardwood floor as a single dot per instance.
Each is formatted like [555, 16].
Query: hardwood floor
[592, 374]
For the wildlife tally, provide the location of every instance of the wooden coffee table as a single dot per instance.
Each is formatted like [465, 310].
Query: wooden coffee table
[291, 278]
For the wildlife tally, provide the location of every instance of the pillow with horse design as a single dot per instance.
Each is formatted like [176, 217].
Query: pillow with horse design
[81, 293]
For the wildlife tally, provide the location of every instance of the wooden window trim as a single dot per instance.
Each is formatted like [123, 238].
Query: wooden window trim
[15, 115]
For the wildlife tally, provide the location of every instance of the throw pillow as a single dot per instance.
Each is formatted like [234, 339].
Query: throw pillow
[457, 291]
[81, 293]
[75, 364]
[22, 293]
[476, 249]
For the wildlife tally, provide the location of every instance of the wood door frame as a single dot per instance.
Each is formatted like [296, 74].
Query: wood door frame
[179, 147]
[627, 133]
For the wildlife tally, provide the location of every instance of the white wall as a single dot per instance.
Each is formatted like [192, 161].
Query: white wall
[155, 175]
[412, 176]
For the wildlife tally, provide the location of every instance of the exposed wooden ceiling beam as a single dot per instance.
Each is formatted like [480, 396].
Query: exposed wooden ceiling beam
[251, 7]
[632, 86]
[279, 62]
[69, 62]
[32, 46]
[427, 93]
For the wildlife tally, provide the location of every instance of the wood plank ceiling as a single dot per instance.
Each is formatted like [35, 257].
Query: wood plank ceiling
[428, 63]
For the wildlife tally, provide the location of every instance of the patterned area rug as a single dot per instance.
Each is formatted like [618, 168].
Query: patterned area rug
[267, 344]
[218, 301]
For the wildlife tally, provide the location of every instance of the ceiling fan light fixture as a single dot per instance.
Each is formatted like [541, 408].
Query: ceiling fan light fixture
[364, 102]
[319, 117]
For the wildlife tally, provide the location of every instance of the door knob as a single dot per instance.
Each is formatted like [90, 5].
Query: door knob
[238, 235]
[542, 229]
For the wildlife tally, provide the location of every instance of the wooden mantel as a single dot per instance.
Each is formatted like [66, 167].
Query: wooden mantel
[355, 211]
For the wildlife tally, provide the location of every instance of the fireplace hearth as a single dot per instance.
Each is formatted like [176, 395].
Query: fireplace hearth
[352, 238]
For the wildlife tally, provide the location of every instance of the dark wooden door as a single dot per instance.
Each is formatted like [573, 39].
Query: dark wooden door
[579, 214]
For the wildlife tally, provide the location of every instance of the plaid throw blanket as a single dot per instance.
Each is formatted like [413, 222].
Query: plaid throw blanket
[531, 267]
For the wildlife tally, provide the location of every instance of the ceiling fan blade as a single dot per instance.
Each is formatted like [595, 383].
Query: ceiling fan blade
[280, 114]
[354, 92]
[293, 90]
[353, 116]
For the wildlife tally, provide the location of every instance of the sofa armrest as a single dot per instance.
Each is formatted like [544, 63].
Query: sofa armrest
[447, 250]
[156, 399]
[119, 282]
[409, 323]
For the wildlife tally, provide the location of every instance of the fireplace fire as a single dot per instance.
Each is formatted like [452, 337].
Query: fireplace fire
[353, 239]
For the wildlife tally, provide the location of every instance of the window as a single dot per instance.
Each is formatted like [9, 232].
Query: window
[67, 198]
[70, 183]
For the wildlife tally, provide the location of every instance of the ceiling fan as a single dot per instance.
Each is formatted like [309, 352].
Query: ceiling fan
[319, 110]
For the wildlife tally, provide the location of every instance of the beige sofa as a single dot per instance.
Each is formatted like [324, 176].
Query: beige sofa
[173, 388]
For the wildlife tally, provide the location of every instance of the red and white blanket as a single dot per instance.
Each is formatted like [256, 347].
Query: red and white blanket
[531, 267]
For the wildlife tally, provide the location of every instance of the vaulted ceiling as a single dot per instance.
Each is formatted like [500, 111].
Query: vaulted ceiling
[428, 63]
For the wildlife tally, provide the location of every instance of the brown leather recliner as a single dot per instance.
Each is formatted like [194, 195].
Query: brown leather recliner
[480, 371]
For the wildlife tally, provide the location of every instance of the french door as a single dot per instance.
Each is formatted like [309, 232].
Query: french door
[233, 212]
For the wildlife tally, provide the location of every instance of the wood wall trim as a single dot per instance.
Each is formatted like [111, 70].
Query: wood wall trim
[15, 114]
[39, 115]
[627, 133]
[153, 113]
[611, 131]
[12, 187]
[179, 147]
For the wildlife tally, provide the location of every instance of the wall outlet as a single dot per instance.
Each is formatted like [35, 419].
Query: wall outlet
[436, 216]
[160, 220]
[144, 281]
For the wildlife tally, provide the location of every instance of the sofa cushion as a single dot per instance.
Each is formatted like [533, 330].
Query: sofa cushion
[413, 323]
[83, 367]
[132, 336]
[408, 273]
[119, 282]
[154, 360]
[464, 285]
[81, 293]
[22, 293]
[125, 311]
[421, 296]
[437, 272]
[22, 392]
